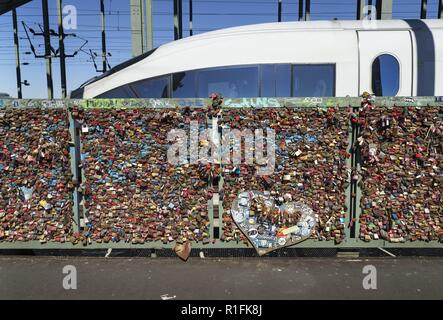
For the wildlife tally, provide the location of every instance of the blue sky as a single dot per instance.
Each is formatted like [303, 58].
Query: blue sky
[207, 15]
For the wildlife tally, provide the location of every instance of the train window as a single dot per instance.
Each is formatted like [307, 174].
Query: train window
[385, 75]
[231, 82]
[313, 80]
[120, 92]
[276, 80]
[183, 84]
[151, 88]
[283, 80]
[268, 80]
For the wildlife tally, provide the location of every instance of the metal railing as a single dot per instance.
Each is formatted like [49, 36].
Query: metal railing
[353, 104]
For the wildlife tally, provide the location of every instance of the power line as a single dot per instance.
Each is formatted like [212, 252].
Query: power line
[213, 14]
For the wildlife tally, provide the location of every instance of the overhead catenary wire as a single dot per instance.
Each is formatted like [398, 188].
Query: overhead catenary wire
[118, 40]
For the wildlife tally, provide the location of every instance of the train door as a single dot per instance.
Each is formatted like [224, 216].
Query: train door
[385, 62]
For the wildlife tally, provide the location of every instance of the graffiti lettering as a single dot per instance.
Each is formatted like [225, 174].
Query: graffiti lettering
[313, 101]
[252, 102]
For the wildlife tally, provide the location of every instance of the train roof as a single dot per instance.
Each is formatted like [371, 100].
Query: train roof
[179, 55]
[328, 25]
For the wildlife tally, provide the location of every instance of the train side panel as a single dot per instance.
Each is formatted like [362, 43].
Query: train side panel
[438, 38]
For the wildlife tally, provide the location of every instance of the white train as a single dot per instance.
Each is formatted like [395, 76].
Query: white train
[288, 59]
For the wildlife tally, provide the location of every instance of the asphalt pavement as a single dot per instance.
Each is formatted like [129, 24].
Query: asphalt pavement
[45, 277]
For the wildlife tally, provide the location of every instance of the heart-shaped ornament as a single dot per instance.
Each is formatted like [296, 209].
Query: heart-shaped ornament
[272, 223]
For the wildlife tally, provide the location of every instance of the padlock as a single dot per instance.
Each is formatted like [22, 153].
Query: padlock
[34, 173]
[139, 167]
[295, 134]
[401, 165]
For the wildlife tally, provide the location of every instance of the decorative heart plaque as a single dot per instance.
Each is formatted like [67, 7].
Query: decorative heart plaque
[272, 223]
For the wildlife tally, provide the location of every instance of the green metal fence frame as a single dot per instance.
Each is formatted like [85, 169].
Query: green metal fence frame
[347, 102]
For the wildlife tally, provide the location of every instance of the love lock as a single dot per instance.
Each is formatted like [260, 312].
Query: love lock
[128, 177]
[272, 226]
[398, 163]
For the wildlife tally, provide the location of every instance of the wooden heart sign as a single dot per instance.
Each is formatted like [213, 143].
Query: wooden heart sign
[272, 223]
